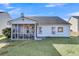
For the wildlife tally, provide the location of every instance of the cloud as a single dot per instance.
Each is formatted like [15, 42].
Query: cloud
[74, 14]
[7, 5]
[15, 12]
[1, 10]
[54, 4]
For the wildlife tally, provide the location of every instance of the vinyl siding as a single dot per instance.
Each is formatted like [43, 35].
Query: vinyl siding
[74, 26]
[47, 31]
[4, 18]
[78, 25]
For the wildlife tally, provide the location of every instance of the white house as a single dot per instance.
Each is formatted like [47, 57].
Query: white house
[74, 20]
[38, 27]
[4, 18]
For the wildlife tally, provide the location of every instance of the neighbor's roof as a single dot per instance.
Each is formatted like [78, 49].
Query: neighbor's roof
[48, 19]
[1, 12]
[76, 17]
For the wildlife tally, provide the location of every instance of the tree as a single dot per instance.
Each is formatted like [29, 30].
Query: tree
[7, 32]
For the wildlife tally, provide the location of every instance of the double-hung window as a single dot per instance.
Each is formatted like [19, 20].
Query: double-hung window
[60, 29]
[40, 30]
[53, 30]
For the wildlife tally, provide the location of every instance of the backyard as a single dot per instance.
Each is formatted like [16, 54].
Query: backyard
[45, 47]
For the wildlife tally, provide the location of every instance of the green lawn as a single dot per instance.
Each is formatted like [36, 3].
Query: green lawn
[46, 47]
[1, 36]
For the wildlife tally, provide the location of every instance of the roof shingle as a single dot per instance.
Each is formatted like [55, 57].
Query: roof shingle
[48, 19]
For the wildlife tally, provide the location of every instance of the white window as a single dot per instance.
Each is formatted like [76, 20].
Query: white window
[60, 29]
[40, 30]
[53, 30]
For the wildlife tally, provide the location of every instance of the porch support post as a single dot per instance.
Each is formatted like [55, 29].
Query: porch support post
[11, 32]
[17, 31]
[23, 31]
[35, 38]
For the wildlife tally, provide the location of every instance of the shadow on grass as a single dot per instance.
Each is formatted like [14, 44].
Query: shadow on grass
[56, 40]
[3, 52]
[55, 53]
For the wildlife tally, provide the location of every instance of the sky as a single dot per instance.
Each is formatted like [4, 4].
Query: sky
[63, 10]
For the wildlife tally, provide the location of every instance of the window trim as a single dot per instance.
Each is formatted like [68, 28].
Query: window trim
[53, 30]
[40, 30]
[60, 29]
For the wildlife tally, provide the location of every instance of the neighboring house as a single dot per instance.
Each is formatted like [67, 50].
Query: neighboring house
[4, 18]
[39, 27]
[74, 20]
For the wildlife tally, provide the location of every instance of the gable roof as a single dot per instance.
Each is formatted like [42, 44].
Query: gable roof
[49, 20]
[44, 20]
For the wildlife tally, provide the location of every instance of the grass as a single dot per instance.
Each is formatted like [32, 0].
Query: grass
[46, 47]
[67, 49]
[1, 36]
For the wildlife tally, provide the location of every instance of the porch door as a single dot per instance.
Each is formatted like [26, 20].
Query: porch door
[29, 31]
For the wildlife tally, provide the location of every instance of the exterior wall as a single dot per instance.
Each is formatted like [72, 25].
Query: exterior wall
[4, 18]
[74, 27]
[47, 31]
[78, 25]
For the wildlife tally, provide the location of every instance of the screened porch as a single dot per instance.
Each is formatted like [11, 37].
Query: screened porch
[22, 31]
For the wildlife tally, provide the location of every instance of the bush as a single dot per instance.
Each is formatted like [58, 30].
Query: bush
[7, 32]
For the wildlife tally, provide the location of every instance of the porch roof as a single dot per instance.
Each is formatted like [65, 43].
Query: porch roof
[22, 21]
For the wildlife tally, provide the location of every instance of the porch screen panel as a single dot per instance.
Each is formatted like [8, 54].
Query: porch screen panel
[20, 31]
[14, 32]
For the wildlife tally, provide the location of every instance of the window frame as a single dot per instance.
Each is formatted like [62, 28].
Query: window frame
[40, 30]
[60, 29]
[53, 30]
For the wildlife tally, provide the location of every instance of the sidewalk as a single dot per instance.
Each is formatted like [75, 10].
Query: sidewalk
[2, 38]
[2, 44]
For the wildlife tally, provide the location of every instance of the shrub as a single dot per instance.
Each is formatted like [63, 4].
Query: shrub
[7, 32]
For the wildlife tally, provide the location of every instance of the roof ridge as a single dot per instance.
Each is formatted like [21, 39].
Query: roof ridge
[74, 16]
[41, 16]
